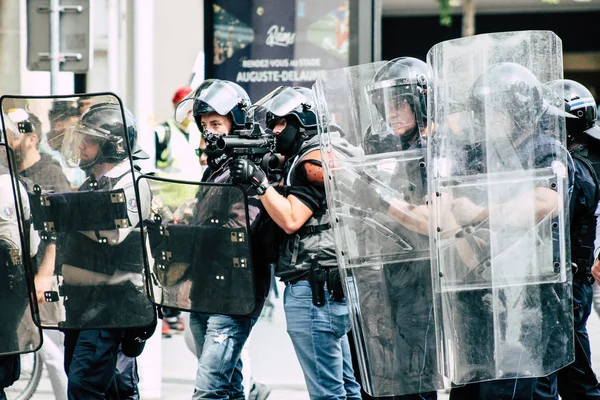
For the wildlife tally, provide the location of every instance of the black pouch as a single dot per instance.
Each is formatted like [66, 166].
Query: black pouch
[334, 284]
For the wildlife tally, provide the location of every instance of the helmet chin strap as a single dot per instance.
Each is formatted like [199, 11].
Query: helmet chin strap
[98, 160]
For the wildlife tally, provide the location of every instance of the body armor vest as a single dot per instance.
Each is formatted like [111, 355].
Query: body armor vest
[316, 236]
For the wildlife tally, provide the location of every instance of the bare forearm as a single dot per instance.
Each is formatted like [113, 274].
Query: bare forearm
[517, 212]
[47, 266]
[414, 218]
[282, 211]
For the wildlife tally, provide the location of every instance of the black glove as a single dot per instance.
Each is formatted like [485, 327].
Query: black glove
[245, 171]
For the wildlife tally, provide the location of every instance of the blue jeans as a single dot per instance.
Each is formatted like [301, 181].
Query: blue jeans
[219, 341]
[321, 344]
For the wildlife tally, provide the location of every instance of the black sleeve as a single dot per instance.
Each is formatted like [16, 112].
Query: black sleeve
[312, 195]
[584, 196]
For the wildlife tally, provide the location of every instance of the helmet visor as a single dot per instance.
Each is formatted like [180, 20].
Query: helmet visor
[396, 102]
[81, 145]
[282, 101]
[258, 115]
[218, 95]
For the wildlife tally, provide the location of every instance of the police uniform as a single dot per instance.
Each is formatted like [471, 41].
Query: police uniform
[91, 356]
[316, 312]
[578, 380]
[410, 295]
[13, 288]
[315, 238]
[396, 298]
[538, 151]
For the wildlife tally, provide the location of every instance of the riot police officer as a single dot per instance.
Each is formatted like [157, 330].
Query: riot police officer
[219, 109]
[577, 380]
[13, 289]
[315, 309]
[398, 124]
[507, 103]
[102, 270]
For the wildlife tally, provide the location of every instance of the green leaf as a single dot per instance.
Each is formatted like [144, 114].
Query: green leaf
[446, 13]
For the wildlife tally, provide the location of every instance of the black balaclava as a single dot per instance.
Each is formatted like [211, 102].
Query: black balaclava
[288, 141]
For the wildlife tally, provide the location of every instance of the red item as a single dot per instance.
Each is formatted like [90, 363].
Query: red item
[181, 93]
[166, 329]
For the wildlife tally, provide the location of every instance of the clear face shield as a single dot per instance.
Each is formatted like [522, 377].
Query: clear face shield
[258, 115]
[82, 144]
[221, 97]
[395, 107]
[282, 101]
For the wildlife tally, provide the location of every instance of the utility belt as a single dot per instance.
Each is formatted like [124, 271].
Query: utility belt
[318, 277]
[12, 274]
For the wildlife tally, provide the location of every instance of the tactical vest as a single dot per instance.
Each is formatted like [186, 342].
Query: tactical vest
[583, 225]
[80, 251]
[316, 236]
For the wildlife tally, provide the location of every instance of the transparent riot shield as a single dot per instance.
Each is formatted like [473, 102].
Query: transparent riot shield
[376, 199]
[18, 333]
[498, 186]
[200, 255]
[74, 156]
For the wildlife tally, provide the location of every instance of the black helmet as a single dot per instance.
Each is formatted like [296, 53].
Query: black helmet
[401, 78]
[218, 96]
[511, 89]
[580, 103]
[296, 102]
[103, 123]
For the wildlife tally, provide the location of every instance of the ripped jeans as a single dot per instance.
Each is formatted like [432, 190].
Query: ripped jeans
[219, 341]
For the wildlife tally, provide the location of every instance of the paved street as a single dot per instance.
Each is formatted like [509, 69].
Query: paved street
[273, 362]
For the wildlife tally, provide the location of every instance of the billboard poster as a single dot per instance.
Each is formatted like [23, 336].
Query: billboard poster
[263, 44]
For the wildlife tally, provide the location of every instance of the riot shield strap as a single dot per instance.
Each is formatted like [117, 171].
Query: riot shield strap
[186, 244]
[79, 211]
